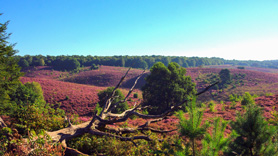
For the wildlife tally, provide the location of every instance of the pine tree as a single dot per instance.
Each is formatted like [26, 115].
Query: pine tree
[247, 98]
[255, 136]
[192, 127]
[166, 86]
[9, 69]
[215, 142]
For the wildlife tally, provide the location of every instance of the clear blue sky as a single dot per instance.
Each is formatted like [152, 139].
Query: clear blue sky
[230, 29]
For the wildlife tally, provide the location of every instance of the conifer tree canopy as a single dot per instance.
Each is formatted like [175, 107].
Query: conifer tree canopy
[166, 86]
[9, 69]
[255, 135]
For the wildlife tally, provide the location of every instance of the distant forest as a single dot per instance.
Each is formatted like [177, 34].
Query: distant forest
[75, 61]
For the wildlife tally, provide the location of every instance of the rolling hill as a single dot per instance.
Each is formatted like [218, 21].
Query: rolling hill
[82, 88]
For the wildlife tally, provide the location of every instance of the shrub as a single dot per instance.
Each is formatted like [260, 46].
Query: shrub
[31, 112]
[67, 98]
[234, 98]
[135, 95]
[240, 67]
[268, 94]
[95, 145]
[37, 144]
[247, 99]
[94, 67]
[98, 109]
[129, 99]
[212, 106]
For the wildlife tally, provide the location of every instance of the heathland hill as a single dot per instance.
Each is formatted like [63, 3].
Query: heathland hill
[77, 92]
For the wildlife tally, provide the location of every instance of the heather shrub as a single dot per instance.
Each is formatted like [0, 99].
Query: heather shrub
[36, 144]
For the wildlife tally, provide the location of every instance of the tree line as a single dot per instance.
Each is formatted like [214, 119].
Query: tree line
[65, 62]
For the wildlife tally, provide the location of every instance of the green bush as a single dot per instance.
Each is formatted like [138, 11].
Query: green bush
[67, 98]
[212, 106]
[95, 145]
[135, 95]
[31, 112]
[94, 67]
[234, 98]
[247, 99]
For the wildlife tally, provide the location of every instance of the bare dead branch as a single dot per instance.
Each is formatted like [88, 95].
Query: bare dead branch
[108, 103]
[128, 94]
[73, 152]
[67, 119]
[151, 121]
[2, 123]
[132, 88]
[93, 120]
[141, 128]
[109, 114]
[207, 88]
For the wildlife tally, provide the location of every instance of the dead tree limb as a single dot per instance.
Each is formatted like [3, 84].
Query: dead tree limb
[2, 123]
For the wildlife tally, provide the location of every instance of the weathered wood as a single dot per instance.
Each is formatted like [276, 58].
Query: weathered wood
[2, 123]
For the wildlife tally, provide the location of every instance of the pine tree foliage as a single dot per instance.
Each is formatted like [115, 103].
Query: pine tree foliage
[247, 99]
[30, 111]
[166, 86]
[255, 136]
[9, 69]
[192, 128]
[216, 142]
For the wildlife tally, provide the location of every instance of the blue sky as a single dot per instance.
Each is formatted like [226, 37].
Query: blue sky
[230, 29]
